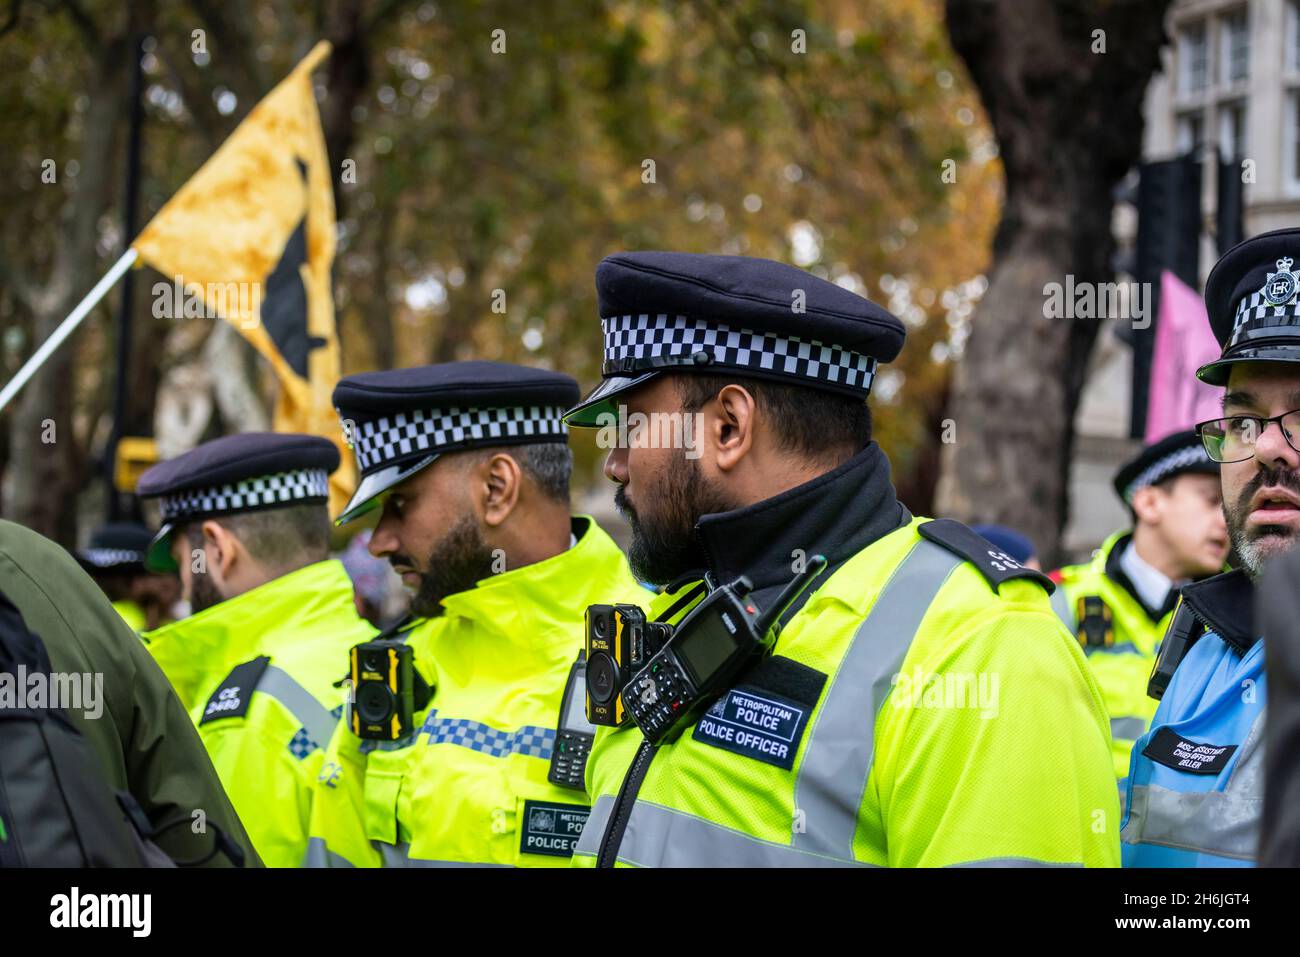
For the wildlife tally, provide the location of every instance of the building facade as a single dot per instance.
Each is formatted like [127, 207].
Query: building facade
[1229, 86]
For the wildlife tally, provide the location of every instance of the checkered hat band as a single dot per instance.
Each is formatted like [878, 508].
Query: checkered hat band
[529, 740]
[1162, 468]
[431, 430]
[1254, 312]
[295, 486]
[108, 557]
[663, 336]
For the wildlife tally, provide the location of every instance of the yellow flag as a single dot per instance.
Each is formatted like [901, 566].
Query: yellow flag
[251, 236]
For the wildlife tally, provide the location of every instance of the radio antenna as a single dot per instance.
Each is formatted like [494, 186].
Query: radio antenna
[816, 565]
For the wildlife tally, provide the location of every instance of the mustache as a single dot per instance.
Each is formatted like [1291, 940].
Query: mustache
[395, 560]
[1267, 478]
[623, 505]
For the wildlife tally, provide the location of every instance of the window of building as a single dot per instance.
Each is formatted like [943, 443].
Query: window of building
[1293, 35]
[1193, 58]
[1234, 34]
[1293, 141]
[1191, 131]
[1232, 129]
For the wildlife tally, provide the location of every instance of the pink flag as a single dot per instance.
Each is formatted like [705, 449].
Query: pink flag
[1184, 343]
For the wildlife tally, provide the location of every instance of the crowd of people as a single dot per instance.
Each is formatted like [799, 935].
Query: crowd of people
[925, 696]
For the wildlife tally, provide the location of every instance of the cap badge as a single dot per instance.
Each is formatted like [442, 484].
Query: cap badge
[1281, 285]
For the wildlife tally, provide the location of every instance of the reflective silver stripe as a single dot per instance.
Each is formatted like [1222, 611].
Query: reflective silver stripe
[1061, 605]
[319, 855]
[1128, 729]
[833, 776]
[589, 840]
[658, 836]
[399, 855]
[313, 715]
[1127, 648]
[1224, 822]
[393, 856]
[1013, 862]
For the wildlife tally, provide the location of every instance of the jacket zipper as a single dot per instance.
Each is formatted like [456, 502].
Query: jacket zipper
[623, 806]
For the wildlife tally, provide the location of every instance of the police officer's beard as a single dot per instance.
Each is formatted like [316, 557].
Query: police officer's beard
[1252, 549]
[457, 563]
[664, 545]
[203, 592]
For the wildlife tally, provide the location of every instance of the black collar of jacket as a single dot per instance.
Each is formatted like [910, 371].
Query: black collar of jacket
[1115, 572]
[836, 514]
[1226, 603]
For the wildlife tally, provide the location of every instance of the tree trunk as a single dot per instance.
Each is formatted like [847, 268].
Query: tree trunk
[46, 465]
[1069, 126]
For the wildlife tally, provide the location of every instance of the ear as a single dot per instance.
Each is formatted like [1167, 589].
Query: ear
[500, 480]
[222, 548]
[1148, 505]
[732, 430]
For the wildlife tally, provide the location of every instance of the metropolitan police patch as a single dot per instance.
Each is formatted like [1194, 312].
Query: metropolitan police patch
[757, 725]
[551, 829]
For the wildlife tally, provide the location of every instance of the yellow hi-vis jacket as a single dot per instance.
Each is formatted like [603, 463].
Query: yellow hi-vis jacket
[131, 613]
[911, 715]
[1130, 639]
[257, 673]
[470, 785]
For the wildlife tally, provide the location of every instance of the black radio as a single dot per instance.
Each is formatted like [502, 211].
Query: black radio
[708, 648]
[619, 644]
[573, 732]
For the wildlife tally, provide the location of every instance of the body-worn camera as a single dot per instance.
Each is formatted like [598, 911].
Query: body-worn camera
[1096, 624]
[1185, 629]
[701, 656]
[386, 689]
[619, 643]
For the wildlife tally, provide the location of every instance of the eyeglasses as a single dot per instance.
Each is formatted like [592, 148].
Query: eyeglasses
[1233, 439]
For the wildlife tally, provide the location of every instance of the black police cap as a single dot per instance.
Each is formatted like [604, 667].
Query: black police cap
[247, 472]
[116, 546]
[687, 312]
[1252, 299]
[1177, 454]
[399, 421]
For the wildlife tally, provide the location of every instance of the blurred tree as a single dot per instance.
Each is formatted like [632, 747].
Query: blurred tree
[814, 133]
[1063, 83]
[70, 181]
[488, 155]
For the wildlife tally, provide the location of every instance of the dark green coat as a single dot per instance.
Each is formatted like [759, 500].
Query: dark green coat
[143, 736]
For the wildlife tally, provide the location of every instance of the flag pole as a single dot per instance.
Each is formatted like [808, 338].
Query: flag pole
[67, 326]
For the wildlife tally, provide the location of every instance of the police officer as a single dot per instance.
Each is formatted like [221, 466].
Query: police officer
[246, 523]
[115, 560]
[923, 706]
[1196, 777]
[1120, 602]
[470, 464]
